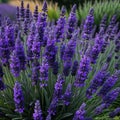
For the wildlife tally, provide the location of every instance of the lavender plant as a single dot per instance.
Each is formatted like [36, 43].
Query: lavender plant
[57, 71]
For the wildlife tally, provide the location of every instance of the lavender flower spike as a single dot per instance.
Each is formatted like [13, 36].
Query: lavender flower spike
[15, 64]
[37, 115]
[82, 71]
[18, 98]
[88, 25]
[80, 114]
[109, 83]
[72, 22]
[115, 112]
[67, 95]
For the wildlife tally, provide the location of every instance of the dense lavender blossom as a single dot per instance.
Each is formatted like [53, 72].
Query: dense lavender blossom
[27, 15]
[103, 23]
[68, 55]
[30, 42]
[53, 106]
[18, 14]
[97, 81]
[37, 115]
[111, 25]
[36, 47]
[35, 72]
[18, 98]
[60, 27]
[67, 95]
[96, 49]
[88, 25]
[4, 50]
[36, 13]
[44, 8]
[108, 84]
[82, 71]
[22, 11]
[15, 64]
[9, 32]
[111, 96]
[20, 52]
[51, 51]
[74, 68]
[58, 87]
[100, 108]
[70, 48]
[80, 114]
[115, 112]
[43, 73]
[48, 117]
[114, 31]
[72, 22]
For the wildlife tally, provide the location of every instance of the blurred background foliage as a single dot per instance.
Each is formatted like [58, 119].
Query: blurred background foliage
[101, 7]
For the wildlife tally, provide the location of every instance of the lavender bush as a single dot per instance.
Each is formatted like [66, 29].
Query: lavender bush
[58, 71]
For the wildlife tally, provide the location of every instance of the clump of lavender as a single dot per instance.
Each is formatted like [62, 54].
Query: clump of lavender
[18, 98]
[37, 115]
[58, 65]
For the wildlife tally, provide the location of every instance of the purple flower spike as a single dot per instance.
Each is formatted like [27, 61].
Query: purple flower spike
[53, 106]
[4, 51]
[44, 73]
[36, 47]
[80, 114]
[20, 52]
[100, 109]
[51, 51]
[115, 112]
[60, 27]
[111, 96]
[37, 115]
[15, 64]
[44, 8]
[88, 25]
[67, 95]
[36, 13]
[22, 11]
[58, 87]
[109, 83]
[97, 81]
[82, 71]
[18, 98]
[72, 22]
